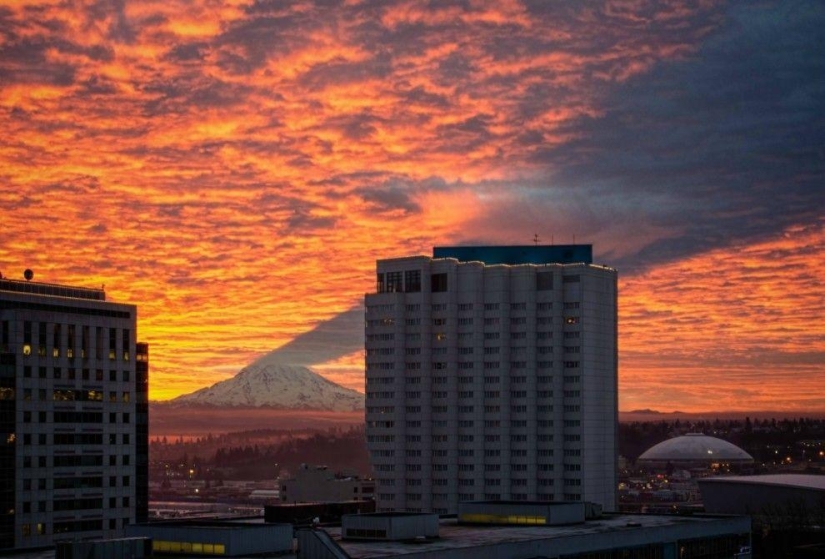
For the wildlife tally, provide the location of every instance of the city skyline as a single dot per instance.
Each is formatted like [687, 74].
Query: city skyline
[237, 170]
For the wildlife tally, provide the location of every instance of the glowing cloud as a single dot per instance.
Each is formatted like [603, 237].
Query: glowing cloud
[236, 168]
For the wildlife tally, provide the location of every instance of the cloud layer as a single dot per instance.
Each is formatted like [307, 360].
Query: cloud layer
[237, 167]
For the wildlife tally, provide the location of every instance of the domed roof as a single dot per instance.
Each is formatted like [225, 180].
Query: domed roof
[695, 447]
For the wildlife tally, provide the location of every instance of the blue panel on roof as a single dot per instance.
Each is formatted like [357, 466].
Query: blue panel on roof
[525, 254]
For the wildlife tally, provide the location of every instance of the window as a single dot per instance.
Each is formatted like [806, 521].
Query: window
[438, 283]
[112, 343]
[394, 282]
[412, 281]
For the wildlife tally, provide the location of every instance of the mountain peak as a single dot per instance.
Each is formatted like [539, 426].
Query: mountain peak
[276, 385]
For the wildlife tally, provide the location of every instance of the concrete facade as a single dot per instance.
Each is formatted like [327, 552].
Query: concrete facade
[73, 415]
[389, 526]
[492, 381]
[319, 484]
[229, 538]
[797, 496]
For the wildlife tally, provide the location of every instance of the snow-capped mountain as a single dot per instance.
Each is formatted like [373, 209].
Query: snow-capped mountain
[274, 385]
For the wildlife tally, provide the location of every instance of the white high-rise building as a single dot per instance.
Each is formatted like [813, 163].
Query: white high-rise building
[491, 374]
[73, 415]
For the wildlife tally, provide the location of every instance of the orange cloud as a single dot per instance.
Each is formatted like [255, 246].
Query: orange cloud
[236, 170]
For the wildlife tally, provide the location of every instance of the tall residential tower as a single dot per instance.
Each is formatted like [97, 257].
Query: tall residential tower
[73, 415]
[491, 373]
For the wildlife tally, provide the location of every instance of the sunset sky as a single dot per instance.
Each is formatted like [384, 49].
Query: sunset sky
[235, 169]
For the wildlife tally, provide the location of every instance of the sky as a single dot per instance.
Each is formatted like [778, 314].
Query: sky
[235, 168]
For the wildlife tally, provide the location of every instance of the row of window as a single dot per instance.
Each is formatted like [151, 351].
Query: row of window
[472, 497]
[83, 482]
[466, 321]
[70, 373]
[72, 341]
[467, 365]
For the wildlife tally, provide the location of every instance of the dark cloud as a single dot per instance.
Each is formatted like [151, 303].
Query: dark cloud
[357, 126]
[98, 85]
[259, 38]
[189, 52]
[389, 198]
[301, 221]
[192, 93]
[26, 62]
[737, 130]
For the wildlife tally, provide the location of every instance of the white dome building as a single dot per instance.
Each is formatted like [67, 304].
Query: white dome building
[695, 447]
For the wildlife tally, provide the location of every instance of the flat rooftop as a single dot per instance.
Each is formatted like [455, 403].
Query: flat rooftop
[454, 536]
[52, 289]
[518, 254]
[806, 481]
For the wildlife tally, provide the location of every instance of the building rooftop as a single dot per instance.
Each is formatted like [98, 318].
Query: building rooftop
[806, 481]
[454, 536]
[518, 254]
[695, 447]
[52, 289]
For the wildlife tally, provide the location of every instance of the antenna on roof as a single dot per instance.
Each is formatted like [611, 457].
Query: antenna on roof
[536, 238]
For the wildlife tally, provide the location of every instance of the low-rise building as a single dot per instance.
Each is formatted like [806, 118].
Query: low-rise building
[319, 484]
[498, 530]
